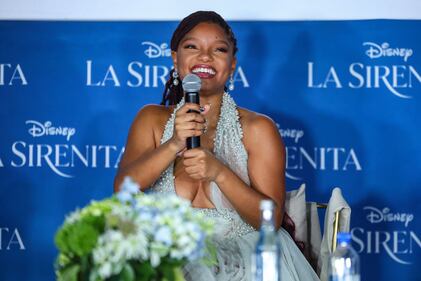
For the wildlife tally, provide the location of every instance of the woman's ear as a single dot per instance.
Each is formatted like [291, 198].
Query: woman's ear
[233, 65]
[174, 58]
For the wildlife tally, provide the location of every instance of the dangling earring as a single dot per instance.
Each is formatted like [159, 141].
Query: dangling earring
[231, 83]
[175, 77]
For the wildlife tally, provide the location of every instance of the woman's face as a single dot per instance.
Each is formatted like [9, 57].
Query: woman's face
[207, 52]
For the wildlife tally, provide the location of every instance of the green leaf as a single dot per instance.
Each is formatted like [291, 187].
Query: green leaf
[69, 274]
[171, 271]
[167, 271]
[61, 239]
[127, 274]
[178, 274]
[82, 239]
[144, 271]
[210, 257]
[78, 238]
[85, 267]
[62, 261]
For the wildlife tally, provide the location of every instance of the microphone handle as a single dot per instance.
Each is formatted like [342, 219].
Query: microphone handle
[193, 142]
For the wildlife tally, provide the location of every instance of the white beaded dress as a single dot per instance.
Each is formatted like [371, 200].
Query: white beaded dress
[234, 238]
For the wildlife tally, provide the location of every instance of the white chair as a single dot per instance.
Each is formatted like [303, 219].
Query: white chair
[305, 215]
[337, 219]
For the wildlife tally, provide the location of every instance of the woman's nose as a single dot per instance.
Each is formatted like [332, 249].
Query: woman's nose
[205, 55]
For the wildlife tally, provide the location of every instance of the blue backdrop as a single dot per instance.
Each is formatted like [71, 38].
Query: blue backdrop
[346, 96]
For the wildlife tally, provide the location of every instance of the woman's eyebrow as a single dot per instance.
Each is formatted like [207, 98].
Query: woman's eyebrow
[197, 39]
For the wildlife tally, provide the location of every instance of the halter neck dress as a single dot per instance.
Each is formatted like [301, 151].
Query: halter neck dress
[234, 238]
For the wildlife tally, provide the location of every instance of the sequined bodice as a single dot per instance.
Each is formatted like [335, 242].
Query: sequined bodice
[229, 149]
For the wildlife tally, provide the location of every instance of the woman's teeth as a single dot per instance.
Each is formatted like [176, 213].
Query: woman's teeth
[204, 70]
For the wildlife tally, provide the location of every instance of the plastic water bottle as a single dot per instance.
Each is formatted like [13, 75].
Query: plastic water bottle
[344, 264]
[266, 257]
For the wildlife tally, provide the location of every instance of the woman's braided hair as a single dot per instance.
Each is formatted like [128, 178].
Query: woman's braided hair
[174, 93]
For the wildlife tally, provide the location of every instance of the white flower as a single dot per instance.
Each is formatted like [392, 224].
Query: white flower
[124, 196]
[155, 259]
[127, 190]
[176, 254]
[151, 228]
[73, 217]
[164, 235]
[109, 256]
[193, 230]
[130, 186]
[105, 270]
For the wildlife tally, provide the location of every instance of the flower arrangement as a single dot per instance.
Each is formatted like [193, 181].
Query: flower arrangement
[132, 236]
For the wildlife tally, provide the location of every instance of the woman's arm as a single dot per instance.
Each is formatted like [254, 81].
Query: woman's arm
[144, 158]
[266, 167]
[142, 153]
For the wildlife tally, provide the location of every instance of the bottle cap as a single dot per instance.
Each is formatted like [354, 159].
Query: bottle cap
[344, 238]
[266, 204]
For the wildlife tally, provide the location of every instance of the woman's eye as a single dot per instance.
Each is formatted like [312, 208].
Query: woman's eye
[189, 46]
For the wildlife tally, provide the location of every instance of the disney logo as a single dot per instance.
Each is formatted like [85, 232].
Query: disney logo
[294, 134]
[376, 216]
[155, 51]
[38, 129]
[376, 51]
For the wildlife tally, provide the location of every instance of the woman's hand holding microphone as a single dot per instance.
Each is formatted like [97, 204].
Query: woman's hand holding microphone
[199, 163]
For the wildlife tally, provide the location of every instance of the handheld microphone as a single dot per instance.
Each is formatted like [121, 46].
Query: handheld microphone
[191, 87]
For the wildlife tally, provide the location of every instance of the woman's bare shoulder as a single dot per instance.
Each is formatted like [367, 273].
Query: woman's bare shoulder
[148, 126]
[153, 114]
[257, 127]
[251, 120]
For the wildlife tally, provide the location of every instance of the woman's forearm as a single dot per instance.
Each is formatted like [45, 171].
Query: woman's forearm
[245, 199]
[147, 168]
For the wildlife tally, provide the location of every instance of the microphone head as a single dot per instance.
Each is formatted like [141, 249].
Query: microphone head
[191, 83]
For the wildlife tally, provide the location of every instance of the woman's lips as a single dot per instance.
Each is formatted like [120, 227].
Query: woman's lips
[204, 71]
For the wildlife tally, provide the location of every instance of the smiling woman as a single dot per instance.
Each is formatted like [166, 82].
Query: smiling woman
[241, 160]
[206, 51]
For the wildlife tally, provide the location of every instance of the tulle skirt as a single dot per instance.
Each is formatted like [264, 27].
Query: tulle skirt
[234, 260]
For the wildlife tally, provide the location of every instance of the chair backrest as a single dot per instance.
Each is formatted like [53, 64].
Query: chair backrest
[335, 225]
[337, 219]
[305, 215]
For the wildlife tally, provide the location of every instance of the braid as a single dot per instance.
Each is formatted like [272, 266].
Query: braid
[289, 225]
[173, 94]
